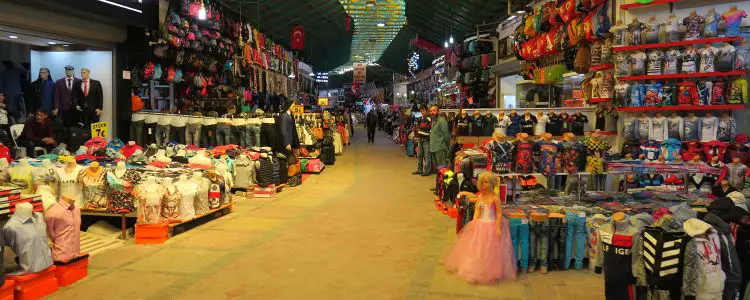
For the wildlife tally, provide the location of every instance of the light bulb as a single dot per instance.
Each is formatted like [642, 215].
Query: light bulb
[446, 44]
[202, 12]
[450, 40]
[381, 24]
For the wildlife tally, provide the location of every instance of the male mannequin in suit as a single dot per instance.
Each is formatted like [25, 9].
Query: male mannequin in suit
[65, 97]
[90, 97]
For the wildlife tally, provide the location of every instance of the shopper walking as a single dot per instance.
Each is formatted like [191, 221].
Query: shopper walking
[439, 138]
[422, 143]
[371, 123]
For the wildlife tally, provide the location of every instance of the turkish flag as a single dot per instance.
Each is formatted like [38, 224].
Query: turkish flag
[298, 38]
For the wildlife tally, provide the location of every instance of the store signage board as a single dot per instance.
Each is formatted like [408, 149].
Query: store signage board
[360, 73]
[100, 129]
[297, 109]
[323, 101]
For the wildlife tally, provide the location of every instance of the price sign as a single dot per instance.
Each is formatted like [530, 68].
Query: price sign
[297, 109]
[323, 101]
[100, 129]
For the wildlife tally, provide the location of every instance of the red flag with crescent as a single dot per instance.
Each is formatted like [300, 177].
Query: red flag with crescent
[298, 38]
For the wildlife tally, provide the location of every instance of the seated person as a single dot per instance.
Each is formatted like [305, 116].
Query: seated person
[37, 132]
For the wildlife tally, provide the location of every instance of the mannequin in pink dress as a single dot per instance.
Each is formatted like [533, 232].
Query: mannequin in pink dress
[483, 252]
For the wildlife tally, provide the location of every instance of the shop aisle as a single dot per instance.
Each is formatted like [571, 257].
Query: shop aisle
[364, 229]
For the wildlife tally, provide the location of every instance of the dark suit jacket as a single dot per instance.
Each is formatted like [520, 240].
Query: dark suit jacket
[64, 98]
[95, 98]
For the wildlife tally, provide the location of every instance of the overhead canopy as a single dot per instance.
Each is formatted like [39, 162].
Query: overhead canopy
[328, 44]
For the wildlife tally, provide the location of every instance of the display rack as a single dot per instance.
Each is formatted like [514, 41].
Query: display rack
[638, 5]
[684, 107]
[681, 76]
[603, 67]
[676, 44]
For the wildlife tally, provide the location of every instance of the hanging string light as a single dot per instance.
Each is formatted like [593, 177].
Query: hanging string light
[413, 63]
[202, 12]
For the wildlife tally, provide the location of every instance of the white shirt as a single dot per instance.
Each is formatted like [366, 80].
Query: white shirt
[70, 186]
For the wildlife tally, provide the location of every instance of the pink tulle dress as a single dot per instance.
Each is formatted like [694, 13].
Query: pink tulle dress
[480, 255]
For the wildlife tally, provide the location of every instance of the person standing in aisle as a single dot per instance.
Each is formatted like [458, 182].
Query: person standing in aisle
[439, 138]
[422, 140]
[371, 123]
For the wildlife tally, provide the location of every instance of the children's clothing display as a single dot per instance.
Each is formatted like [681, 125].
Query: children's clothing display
[725, 57]
[708, 129]
[541, 125]
[712, 24]
[634, 29]
[655, 58]
[638, 63]
[675, 127]
[732, 19]
[727, 129]
[523, 156]
[708, 55]
[578, 122]
[689, 59]
[672, 61]
[693, 25]
[501, 153]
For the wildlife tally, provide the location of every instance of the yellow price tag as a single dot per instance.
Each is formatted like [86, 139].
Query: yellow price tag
[297, 109]
[100, 129]
[323, 101]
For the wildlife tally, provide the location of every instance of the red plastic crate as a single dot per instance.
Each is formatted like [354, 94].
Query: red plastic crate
[151, 233]
[35, 286]
[6, 291]
[69, 272]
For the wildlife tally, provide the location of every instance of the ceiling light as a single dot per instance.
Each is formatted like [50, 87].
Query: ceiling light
[202, 12]
[450, 40]
[446, 44]
[65, 45]
[52, 43]
[12, 37]
[381, 24]
[520, 12]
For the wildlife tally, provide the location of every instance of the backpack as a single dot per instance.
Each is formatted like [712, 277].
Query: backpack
[583, 59]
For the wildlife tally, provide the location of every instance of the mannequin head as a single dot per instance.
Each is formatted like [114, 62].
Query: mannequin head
[46, 163]
[736, 160]
[714, 159]
[486, 182]
[43, 73]
[696, 159]
[498, 136]
[675, 114]
[725, 114]
[94, 165]
[23, 210]
[85, 73]
[69, 71]
[547, 137]
[709, 114]
[568, 136]
[659, 115]
[652, 18]
[596, 135]
[523, 136]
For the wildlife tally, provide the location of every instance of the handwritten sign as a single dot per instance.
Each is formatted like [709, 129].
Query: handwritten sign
[297, 109]
[100, 129]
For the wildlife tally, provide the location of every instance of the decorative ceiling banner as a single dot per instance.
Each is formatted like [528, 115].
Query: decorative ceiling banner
[426, 45]
[298, 38]
[360, 73]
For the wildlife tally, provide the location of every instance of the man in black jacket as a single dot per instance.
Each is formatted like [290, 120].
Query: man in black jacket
[371, 123]
[90, 97]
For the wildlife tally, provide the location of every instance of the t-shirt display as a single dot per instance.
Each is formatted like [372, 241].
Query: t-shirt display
[28, 239]
[654, 62]
[733, 19]
[652, 31]
[149, 196]
[622, 93]
[738, 93]
[688, 60]
[742, 57]
[121, 191]
[725, 58]
[635, 29]
[94, 188]
[712, 24]
[577, 123]
[622, 64]
[707, 59]
[672, 61]
[638, 63]
[693, 26]
[70, 185]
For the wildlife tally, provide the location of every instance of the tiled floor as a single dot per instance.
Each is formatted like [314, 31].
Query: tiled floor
[364, 229]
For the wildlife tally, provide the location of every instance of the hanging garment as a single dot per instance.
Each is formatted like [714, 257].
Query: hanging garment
[595, 154]
[501, 154]
[572, 156]
[524, 156]
[661, 259]
[548, 157]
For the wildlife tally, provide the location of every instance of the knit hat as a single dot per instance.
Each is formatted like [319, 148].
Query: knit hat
[694, 227]
[738, 199]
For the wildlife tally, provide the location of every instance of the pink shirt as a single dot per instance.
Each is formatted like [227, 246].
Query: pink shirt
[64, 229]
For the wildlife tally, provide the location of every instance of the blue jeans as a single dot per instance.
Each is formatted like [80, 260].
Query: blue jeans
[519, 234]
[162, 135]
[554, 182]
[193, 134]
[538, 243]
[223, 134]
[557, 234]
[239, 135]
[137, 132]
[424, 154]
[252, 135]
[575, 240]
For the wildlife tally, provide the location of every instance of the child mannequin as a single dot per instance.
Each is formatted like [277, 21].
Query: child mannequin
[478, 256]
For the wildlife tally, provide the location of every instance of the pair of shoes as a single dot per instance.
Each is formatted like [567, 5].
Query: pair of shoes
[416, 173]
[425, 175]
